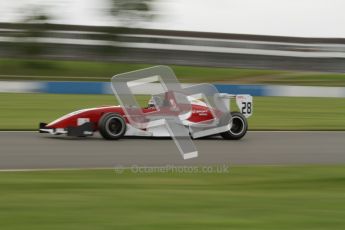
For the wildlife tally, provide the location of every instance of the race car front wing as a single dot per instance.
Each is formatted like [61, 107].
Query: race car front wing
[83, 130]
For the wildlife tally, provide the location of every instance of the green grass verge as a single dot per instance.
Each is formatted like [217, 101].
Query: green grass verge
[308, 79]
[259, 197]
[24, 111]
[18, 69]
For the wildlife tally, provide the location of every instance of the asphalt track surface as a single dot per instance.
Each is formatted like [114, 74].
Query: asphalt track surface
[31, 150]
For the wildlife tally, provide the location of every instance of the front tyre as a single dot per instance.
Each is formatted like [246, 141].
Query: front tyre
[238, 129]
[112, 126]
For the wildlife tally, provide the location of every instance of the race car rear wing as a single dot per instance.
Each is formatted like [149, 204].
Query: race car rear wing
[244, 102]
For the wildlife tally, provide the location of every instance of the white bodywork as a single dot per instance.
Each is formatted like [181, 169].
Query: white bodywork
[158, 128]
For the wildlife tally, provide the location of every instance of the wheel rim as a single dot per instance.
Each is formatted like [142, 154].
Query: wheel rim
[237, 126]
[114, 126]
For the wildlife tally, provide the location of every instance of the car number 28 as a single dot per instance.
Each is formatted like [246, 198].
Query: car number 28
[246, 107]
[245, 104]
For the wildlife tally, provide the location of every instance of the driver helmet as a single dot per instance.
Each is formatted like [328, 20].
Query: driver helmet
[154, 101]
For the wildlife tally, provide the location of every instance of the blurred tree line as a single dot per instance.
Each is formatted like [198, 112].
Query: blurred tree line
[36, 25]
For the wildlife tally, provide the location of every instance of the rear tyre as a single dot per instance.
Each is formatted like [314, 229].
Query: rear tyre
[112, 126]
[238, 129]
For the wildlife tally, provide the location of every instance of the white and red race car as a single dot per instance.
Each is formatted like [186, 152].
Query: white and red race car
[112, 122]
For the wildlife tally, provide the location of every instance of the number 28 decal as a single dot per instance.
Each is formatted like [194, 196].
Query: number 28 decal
[245, 104]
[246, 107]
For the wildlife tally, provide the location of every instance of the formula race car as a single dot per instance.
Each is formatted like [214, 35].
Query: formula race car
[112, 122]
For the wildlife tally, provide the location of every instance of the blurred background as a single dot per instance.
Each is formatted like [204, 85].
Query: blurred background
[290, 54]
[295, 35]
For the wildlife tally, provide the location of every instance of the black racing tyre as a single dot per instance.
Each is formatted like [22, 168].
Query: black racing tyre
[112, 126]
[238, 129]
